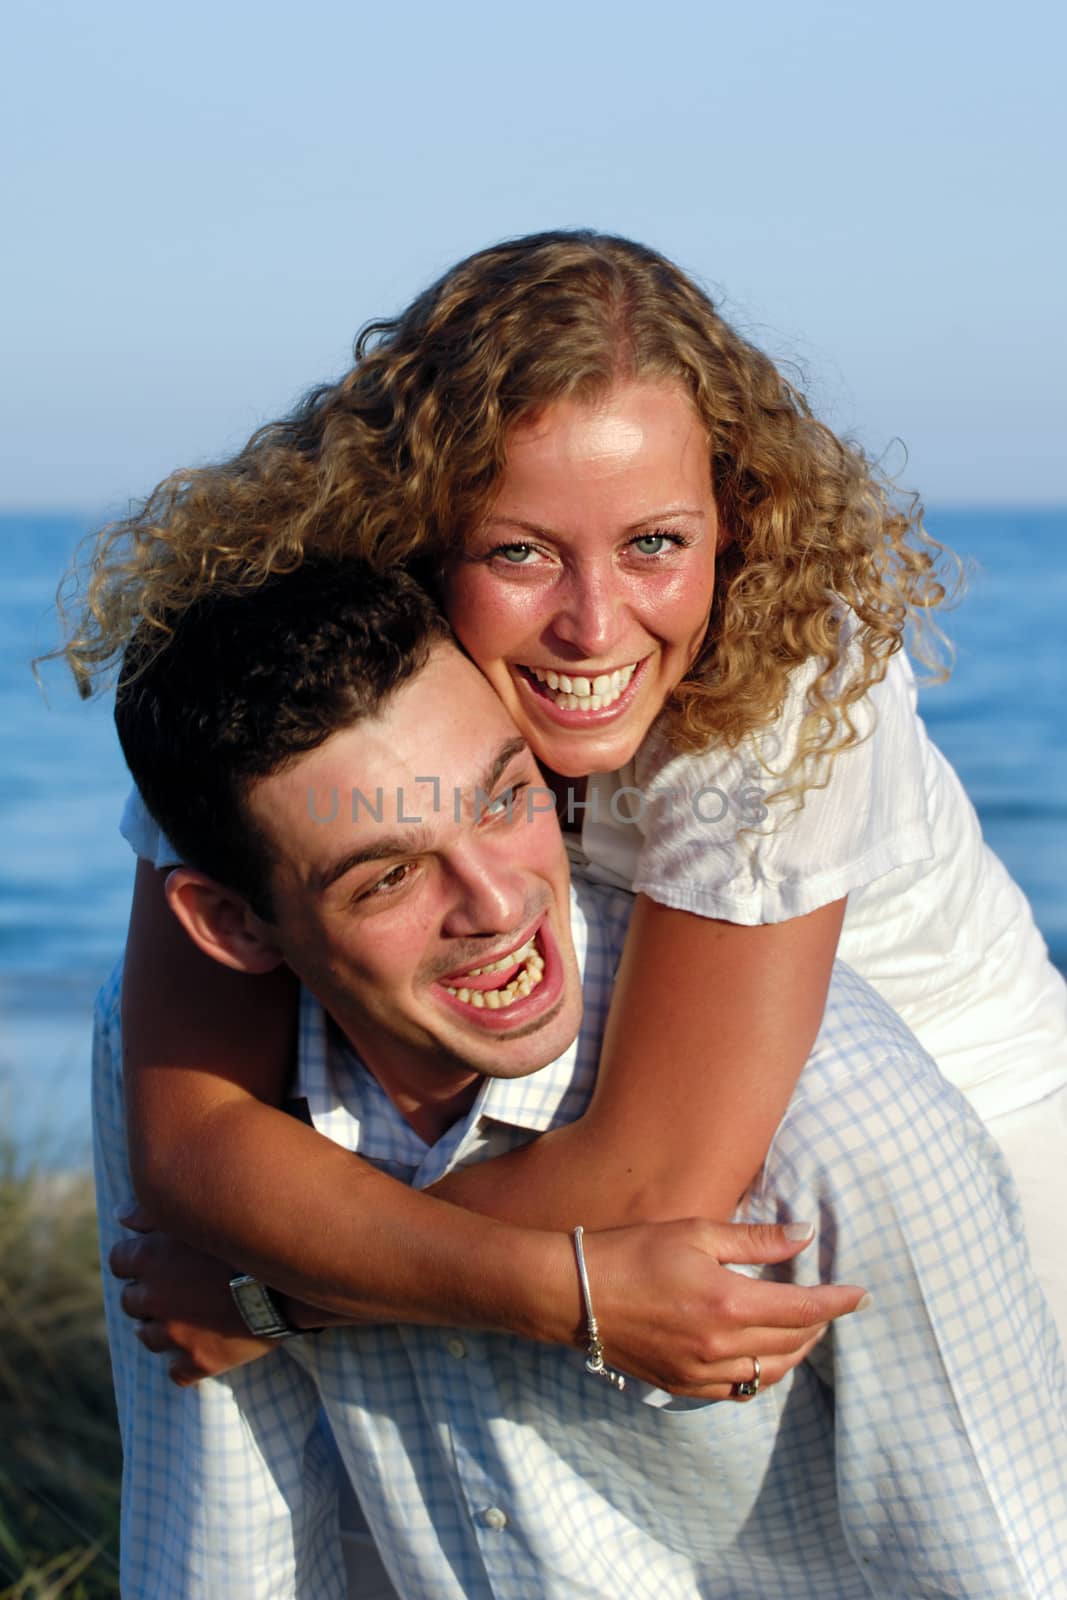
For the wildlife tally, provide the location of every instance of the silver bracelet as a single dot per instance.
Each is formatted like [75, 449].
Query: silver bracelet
[594, 1357]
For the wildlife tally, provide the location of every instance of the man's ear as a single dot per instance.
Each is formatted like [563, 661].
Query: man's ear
[221, 922]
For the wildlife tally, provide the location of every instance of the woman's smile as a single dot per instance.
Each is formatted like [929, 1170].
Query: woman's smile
[582, 700]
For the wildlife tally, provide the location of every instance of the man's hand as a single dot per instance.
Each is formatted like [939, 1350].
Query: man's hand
[671, 1313]
[181, 1301]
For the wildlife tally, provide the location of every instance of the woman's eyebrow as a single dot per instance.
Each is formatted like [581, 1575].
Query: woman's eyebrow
[538, 529]
[515, 522]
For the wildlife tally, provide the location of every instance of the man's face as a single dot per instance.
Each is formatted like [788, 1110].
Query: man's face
[400, 877]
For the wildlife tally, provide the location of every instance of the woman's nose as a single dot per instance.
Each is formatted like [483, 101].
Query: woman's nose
[586, 618]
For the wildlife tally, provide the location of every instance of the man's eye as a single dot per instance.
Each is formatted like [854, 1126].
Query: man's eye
[392, 880]
[503, 804]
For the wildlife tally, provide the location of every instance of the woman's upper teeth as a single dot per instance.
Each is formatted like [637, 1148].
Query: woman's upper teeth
[604, 683]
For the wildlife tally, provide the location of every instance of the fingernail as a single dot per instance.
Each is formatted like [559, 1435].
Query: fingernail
[868, 1300]
[799, 1230]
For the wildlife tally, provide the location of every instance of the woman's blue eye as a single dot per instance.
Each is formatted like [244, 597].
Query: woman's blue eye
[651, 544]
[515, 553]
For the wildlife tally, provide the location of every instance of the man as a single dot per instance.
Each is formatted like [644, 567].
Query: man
[888, 1464]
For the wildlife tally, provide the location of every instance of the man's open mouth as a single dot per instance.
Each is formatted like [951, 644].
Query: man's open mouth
[500, 983]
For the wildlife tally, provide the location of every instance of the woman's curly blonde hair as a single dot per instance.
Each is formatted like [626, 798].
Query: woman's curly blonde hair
[402, 456]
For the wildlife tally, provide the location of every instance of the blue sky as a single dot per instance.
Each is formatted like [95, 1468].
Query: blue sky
[202, 203]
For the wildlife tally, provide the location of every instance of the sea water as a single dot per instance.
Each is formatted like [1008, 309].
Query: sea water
[65, 874]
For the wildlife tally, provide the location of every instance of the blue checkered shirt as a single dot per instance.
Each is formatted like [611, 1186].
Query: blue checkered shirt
[922, 1451]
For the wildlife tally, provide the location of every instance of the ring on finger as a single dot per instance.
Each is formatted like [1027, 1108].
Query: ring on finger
[749, 1390]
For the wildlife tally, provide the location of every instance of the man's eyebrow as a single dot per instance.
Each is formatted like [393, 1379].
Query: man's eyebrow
[501, 762]
[415, 839]
[409, 843]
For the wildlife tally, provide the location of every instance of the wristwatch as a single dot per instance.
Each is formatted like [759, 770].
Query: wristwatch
[260, 1312]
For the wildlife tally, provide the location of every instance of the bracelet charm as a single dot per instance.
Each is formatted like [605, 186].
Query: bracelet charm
[594, 1356]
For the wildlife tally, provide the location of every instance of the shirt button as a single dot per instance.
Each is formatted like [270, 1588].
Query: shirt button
[493, 1517]
[457, 1348]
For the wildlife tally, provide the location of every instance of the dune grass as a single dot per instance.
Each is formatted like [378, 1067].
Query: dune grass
[59, 1448]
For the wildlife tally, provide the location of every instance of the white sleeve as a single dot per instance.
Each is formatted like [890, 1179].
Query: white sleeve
[144, 835]
[710, 846]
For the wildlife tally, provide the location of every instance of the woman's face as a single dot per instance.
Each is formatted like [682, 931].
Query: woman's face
[584, 595]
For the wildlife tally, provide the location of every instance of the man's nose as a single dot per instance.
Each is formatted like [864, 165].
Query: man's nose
[589, 606]
[488, 892]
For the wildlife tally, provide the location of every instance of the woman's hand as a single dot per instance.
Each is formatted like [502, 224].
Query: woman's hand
[672, 1313]
[181, 1302]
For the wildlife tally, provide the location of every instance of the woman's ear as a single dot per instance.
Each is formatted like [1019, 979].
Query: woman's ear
[221, 922]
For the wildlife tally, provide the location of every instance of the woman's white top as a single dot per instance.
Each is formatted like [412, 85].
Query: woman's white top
[934, 921]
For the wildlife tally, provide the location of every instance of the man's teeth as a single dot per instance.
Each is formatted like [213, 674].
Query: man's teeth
[524, 981]
[584, 694]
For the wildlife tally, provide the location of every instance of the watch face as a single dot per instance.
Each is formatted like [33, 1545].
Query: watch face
[259, 1311]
